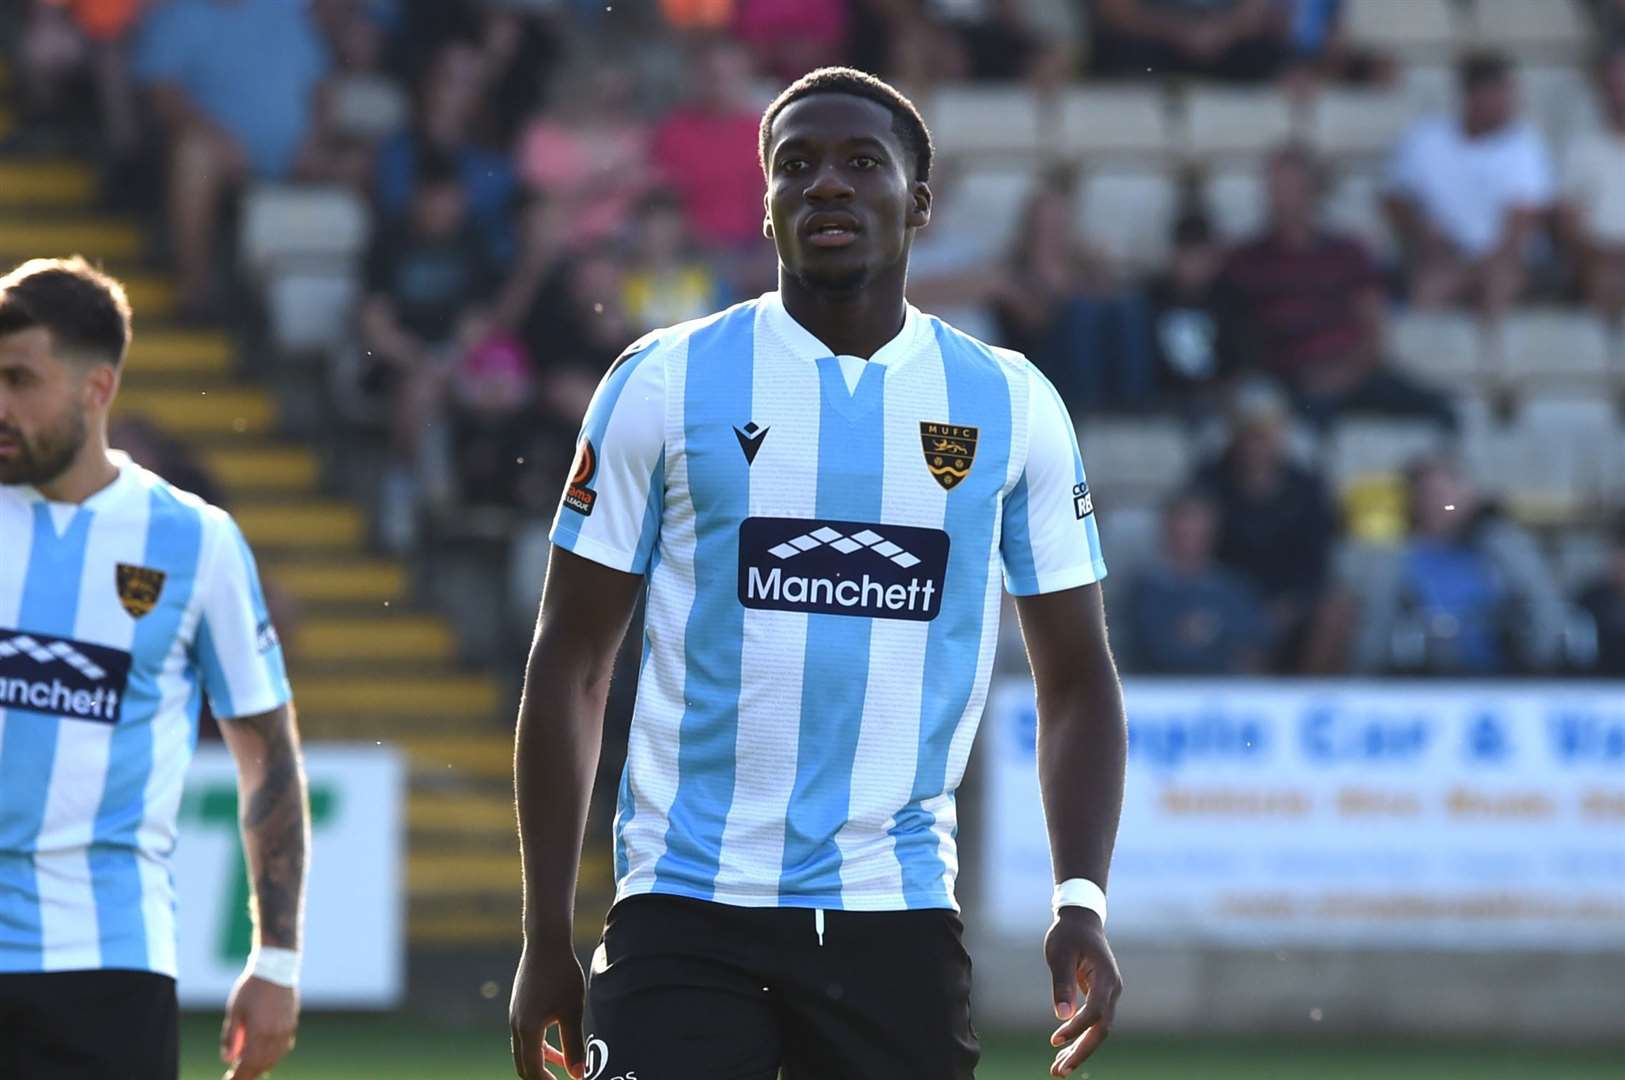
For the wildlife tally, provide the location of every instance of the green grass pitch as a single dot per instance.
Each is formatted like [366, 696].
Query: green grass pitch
[414, 1048]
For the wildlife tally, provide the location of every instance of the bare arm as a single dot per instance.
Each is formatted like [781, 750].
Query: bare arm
[275, 818]
[1082, 751]
[384, 334]
[1521, 224]
[585, 611]
[262, 1016]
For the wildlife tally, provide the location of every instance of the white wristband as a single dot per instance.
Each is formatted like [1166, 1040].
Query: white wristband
[279, 966]
[1080, 892]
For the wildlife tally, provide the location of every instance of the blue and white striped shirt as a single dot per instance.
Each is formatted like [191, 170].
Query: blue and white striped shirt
[116, 614]
[823, 537]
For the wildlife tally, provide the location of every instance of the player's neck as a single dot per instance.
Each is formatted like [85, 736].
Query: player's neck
[91, 471]
[855, 323]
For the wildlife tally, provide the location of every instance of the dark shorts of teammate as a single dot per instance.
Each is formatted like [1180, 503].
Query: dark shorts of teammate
[89, 1025]
[690, 990]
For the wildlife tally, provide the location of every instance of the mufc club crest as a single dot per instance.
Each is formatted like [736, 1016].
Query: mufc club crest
[138, 588]
[949, 450]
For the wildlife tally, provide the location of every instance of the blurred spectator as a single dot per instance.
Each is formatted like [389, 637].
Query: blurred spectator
[1059, 303]
[425, 277]
[695, 15]
[1187, 615]
[792, 37]
[589, 154]
[1592, 212]
[1467, 593]
[1319, 48]
[61, 40]
[666, 282]
[1001, 43]
[358, 105]
[450, 100]
[1244, 40]
[1466, 194]
[1276, 528]
[706, 152]
[1604, 601]
[1306, 306]
[1185, 316]
[151, 447]
[233, 82]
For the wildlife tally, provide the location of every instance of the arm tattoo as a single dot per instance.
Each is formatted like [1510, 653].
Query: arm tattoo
[276, 831]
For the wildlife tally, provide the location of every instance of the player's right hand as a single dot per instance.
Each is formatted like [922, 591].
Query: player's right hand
[548, 989]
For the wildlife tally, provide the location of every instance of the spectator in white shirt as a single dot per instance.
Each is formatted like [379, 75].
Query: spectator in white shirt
[1592, 212]
[1466, 195]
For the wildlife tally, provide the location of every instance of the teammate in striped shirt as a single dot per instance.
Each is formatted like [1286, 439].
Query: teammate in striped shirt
[122, 602]
[820, 488]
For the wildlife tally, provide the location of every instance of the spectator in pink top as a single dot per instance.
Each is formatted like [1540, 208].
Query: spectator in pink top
[792, 37]
[589, 155]
[706, 152]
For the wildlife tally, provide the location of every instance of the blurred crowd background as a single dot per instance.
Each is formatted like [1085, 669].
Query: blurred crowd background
[1332, 286]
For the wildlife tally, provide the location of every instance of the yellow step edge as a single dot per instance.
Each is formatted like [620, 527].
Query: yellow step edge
[336, 582]
[179, 351]
[456, 698]
[460, 812]
[235, 410]
[458, 873]
[485, 755]
[386, 637]
[281, 468]
[434, 874]
[324, 524]
[151, 297]
[94, 238]
[472, 928]
[46, 183]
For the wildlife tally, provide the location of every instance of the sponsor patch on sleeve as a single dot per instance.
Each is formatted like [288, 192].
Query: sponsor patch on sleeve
[577, 495]
[1083, 503]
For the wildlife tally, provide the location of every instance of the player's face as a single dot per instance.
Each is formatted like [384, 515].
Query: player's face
[42, 409]
[841, 198]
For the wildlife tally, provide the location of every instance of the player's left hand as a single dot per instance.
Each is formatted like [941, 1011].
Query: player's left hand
[261, 1018]
[1080, 959]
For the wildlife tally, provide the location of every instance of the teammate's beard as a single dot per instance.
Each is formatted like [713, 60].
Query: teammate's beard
[47, 456]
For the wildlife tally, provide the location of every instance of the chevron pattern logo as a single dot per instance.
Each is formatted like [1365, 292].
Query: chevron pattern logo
[23, 645]
[868, 539]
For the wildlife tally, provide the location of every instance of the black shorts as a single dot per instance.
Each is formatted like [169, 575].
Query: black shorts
[686, 989]
[89, 1025]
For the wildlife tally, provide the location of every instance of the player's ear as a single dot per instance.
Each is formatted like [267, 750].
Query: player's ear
[767, 218]
[919, 210]
[100, 385]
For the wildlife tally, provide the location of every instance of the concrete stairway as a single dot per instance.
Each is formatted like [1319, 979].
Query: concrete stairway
[367, 664]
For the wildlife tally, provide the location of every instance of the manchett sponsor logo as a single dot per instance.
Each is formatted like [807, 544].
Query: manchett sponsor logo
[842, 568]
[61, 677]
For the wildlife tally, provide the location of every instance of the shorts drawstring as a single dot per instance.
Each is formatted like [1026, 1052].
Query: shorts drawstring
[818, 925]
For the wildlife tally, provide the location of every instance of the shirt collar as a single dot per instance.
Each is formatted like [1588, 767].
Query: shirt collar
[803, 345]
[100, 499]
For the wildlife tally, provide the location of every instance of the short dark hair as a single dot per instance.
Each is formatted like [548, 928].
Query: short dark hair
[85, 310]
[1482, 67]
[906, 119]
